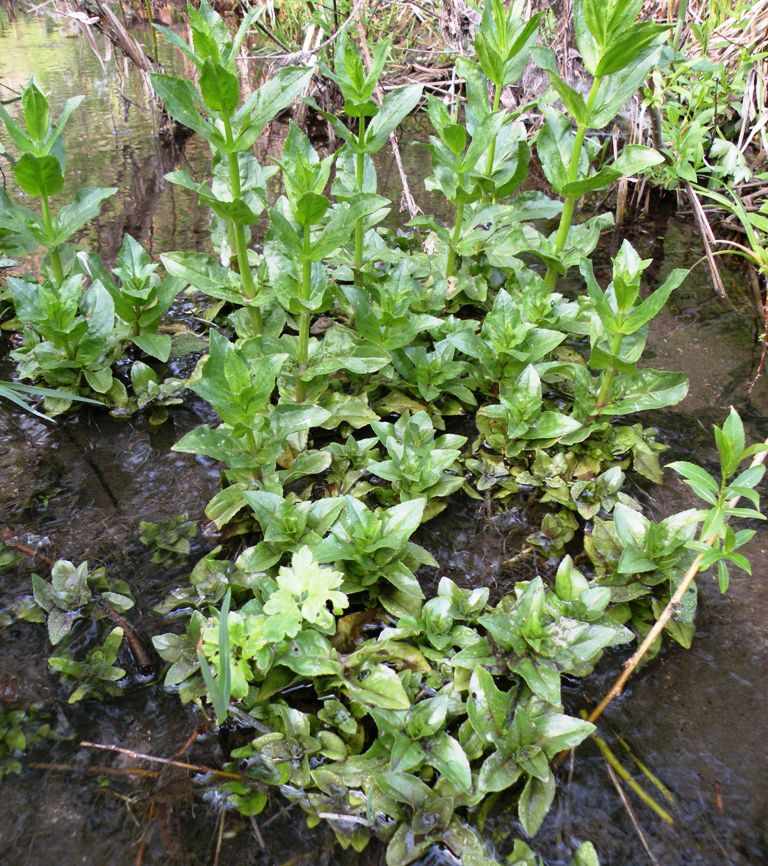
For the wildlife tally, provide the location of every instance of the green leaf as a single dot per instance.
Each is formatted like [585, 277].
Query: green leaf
[653, 304]
[396, 105]
[733, 429]
[585, 855]
[220, 89]
[625, 50]
[84, 207]
[698, 479]
[155, 345]
[204, 273]
[39, 175]
[535, 801]
[541, 677]
[265, 103]
[572, 99]
[378, 686]
[449, 759]
[36, 112]
[220, 687]
[311, 208]
[181, 101]
[645, 389]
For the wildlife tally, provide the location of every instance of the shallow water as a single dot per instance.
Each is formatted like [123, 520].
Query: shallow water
[79, 489]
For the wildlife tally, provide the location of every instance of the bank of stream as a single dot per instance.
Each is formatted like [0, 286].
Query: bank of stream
[78, 489]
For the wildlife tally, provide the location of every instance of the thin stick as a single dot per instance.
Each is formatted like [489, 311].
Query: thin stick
[707, 238]
[632, 816]
[647, 772]
[658, 627]
[257, 832]
[219, 837]
[139, 756]
[10, 541]
[138, 651]
[150, 815]
[97, 771]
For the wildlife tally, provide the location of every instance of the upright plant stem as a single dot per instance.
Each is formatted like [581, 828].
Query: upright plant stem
[573, 175]
[492, 148]
[605, 386]
[359, 180]
[58, 271]
[241, 244]
[450, 267]
[302, 352]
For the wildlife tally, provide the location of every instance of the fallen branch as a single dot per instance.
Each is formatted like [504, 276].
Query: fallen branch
[152, 759]
[631, 664]
[97, 771]
[10, 541]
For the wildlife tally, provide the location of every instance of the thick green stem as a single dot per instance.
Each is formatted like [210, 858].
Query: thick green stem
[302, 352]
[604, 394]
[359, 180]
[569, 204]
[58, 271]
[238, 232]
[450, 267]
[492, 147]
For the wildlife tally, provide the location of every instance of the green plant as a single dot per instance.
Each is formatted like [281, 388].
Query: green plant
[357, 175]
[213, 110]
[419, 464]
[76, 321]
[20, 731]
[39, 172]
[617, 52]
[69, 597]
[170, 540]
[141, 299]
[220, 686]
[342, 373]
[20, 393]
[97, 675]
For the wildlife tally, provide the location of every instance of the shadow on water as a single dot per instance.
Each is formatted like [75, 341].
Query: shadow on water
[78, 490]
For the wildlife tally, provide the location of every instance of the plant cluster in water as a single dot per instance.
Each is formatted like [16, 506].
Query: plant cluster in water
[345, 368]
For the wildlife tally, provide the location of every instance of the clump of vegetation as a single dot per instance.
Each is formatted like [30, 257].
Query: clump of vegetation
[384, 712]
[76, 320]
[21, 731]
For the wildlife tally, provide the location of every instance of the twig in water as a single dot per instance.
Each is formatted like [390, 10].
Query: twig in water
[10, 541]
[763, 308]
[96, 771]
[153, 759]
[139, 653]
[219, 836]
[257, 832]
[632, 816]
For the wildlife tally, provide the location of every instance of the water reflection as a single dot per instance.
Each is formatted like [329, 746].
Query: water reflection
[111, 139]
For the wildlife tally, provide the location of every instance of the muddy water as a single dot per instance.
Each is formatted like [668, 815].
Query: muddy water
[78, 490]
